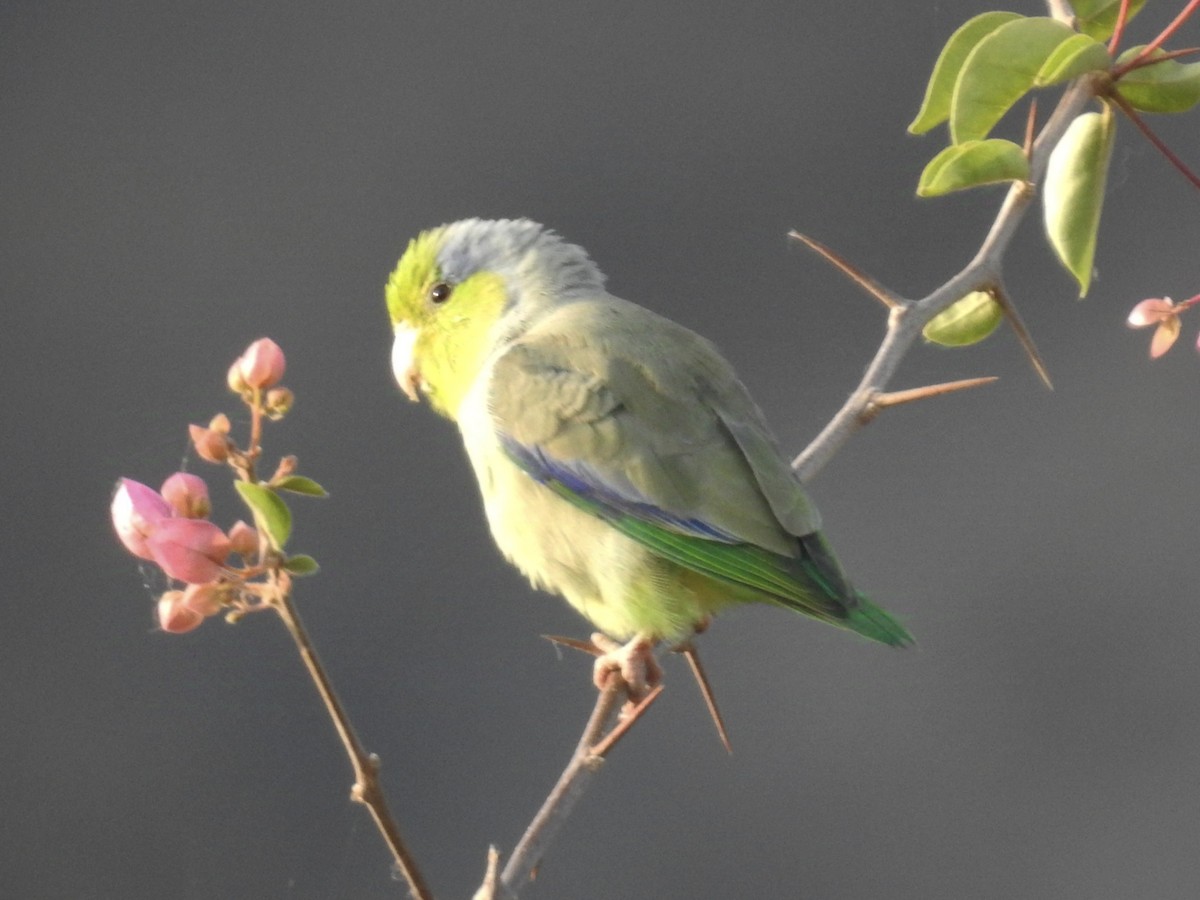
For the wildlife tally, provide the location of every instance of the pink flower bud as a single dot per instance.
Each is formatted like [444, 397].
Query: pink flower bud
[261, 366]
[235, 379]
[188, 495]
[191, 550]
[279, 402]
[210, 444]
[174, 616]
[243, 539]
[287, 466]
[136, 512]
[205, 599]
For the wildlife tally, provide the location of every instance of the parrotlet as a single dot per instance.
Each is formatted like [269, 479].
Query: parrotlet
[621, 462]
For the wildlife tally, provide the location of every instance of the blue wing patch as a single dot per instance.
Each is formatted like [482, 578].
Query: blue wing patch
[606, 500]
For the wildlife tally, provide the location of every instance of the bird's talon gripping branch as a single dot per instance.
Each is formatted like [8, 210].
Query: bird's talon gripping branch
[633, 661]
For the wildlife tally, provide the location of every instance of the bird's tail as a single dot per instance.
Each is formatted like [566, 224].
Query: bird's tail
[876, 623]
[850, 607]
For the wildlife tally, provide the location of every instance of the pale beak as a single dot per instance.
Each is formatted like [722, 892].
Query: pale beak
[404, 365]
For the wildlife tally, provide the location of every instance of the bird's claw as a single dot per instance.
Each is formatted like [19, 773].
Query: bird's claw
[633, 661]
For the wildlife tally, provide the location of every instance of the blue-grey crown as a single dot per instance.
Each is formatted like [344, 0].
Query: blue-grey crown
[521, 250]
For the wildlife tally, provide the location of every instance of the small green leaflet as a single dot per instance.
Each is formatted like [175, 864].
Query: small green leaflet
[973, 163]
[301, 564]
[1073, 192]
[1077, 55]
[966, 321]
[1000, 70]
[1166, 87]
[935, 108]
[299, 484]
[271, 515]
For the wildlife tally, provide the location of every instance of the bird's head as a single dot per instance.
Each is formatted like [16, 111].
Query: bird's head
[461, 290]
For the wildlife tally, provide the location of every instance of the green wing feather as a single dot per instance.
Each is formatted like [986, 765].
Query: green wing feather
[640, 422]
[797, 583]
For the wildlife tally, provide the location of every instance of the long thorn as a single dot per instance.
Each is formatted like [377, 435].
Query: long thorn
[689, 652]
[574, 644]
[881, 402]
[1022, 333]
[1162, 57]
[1164, 35]
[1030, 128]
[1153, 138]
[864, 281]
[1119, 28]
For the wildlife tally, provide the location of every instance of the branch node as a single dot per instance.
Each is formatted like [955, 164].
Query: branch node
[492, 888]
[629, 718]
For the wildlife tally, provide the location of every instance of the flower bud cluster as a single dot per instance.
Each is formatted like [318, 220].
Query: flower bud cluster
[170, 528]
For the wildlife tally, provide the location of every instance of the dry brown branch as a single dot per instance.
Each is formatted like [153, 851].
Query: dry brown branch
[585, 764]
[366, 789]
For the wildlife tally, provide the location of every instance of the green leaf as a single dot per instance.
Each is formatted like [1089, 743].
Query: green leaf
[271, 515]
[301, 564]
[1098, 18]
[1165, 87]
[935, 107]
[299, 484]
[999, 71]
[966, 321]
[1077, 55]
[971, 164]
[1073, 193]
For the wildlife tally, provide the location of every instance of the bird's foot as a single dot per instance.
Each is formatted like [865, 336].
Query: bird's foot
[633, 661]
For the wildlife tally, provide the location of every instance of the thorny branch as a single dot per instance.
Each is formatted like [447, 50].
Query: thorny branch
[908, 317]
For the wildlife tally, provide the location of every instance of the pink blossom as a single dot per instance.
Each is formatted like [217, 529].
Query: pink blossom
[188, 495]
[205, 599]
[243, 539]
[175, 616]
[211, 445]
[137, 511]
[191, 550]
[261, 366]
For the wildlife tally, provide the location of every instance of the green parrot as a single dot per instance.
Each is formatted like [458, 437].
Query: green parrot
[622, 463]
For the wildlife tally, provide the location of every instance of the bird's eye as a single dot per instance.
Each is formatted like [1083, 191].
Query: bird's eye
[440, 292]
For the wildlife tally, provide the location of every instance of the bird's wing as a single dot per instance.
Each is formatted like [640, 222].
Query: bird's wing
[641, 422]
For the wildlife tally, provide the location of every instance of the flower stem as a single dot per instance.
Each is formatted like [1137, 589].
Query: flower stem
[366, 789]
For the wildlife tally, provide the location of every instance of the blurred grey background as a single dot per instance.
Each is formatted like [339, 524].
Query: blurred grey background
[180, 178]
